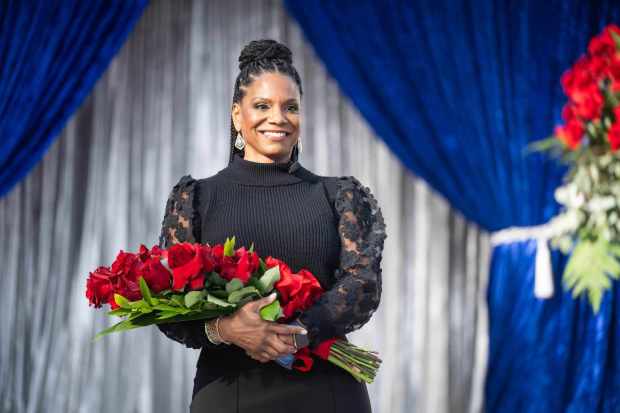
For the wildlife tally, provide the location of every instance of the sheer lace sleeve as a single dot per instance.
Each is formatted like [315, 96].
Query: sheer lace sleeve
[356, 293]
[181, 223]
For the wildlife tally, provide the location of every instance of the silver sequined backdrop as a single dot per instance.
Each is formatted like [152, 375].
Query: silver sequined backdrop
[160, 111]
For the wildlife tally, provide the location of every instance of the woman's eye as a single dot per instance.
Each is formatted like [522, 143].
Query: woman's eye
[293, 108]
[261, 106]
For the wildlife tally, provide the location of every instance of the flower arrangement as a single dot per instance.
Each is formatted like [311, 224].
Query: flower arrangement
[589, 222]
[193, 281]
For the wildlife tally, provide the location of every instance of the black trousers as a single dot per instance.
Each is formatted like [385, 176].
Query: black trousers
[270, 388]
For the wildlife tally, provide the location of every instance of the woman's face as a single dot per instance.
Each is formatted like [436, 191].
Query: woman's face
[269, 118]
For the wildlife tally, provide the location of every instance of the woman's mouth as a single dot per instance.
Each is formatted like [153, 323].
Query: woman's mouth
[276, 136]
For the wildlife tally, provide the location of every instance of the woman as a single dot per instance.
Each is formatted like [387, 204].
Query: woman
[330, 225]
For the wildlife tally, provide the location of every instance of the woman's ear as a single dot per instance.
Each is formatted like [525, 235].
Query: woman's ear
[236, 116]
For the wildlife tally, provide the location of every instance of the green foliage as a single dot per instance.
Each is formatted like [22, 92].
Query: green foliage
[146, 292]
[234, 285]
[229, 247]
[590, 267]
[268, 279]
[215, 278]
[222, 303]
[272, 311]
[193, 297]
[236, 296]
[616, 38]
[121, 301]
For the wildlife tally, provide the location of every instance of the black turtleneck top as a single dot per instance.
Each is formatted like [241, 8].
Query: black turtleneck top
[331, 226]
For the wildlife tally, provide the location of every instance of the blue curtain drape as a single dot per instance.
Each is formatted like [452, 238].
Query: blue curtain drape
[457, 89]
[51, 54]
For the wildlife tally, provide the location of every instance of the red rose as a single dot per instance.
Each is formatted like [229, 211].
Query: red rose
[613, 72]
[209, 259]
[126, 265]
[246, 265]
[311, 286]
[157, 276]
[588, 103]
[218, 252]
[568, 113]
[156, 251]
[613, 134]
[288, 285]
[185, 261]
[99, 287]
[571, 134]
[578, 77]
[228, 267]
[127, 288]
[602, 45]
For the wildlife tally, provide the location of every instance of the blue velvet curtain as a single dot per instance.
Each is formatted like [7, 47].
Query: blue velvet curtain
[457, 89]
[51, 54]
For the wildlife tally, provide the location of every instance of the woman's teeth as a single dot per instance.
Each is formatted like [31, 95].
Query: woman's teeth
[275, 136]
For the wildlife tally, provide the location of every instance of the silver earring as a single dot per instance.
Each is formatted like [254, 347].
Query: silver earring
[239, 142]
[298, 146]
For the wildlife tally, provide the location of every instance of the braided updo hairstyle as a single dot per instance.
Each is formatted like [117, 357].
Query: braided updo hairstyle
[257, 57]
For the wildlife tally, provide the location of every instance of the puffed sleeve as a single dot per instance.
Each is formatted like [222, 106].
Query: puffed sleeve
[181, 223]
[353, 298]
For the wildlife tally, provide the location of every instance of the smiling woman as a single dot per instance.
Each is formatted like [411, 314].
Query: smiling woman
[331, 226]
[267, 117]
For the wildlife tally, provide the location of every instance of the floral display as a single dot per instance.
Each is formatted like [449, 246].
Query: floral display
[588, 226]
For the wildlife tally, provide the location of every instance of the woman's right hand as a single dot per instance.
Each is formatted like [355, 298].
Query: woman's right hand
[259, 338]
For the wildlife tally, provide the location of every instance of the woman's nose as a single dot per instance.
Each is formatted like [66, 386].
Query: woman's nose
[277, 116]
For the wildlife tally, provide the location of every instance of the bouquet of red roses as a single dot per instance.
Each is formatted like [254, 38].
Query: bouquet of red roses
[193, 281]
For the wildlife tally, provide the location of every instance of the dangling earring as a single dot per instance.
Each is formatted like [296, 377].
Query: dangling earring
[298, 145]
[239, 142]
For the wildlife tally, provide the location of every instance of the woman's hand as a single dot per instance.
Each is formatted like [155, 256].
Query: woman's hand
[259, 338]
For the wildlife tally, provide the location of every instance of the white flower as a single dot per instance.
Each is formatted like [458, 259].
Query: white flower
[601, 203]
[569, 195]
[566, 222]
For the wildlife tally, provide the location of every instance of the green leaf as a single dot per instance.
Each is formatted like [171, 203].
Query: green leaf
[590, 268]
[144, 289]
[263, 266]
[219, 294]
[120, 311]
[268, 279]
[164, 315]
[229, 247]
[213, 299]
[121, 301]
[216, 279]
[551, 143]
[192, 297]
[272, 311]
[139, 305]
[234, 285]
[166, 307]
[236, 296]
[616, 38]
[139, 320]
[178, 299]
[251, 247]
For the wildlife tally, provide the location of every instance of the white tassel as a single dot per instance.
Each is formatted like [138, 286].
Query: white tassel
[543, 278]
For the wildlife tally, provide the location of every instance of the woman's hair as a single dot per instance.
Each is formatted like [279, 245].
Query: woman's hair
[257, 57]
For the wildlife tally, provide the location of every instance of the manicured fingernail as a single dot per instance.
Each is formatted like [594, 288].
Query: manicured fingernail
[304, 331]
[272, 295]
